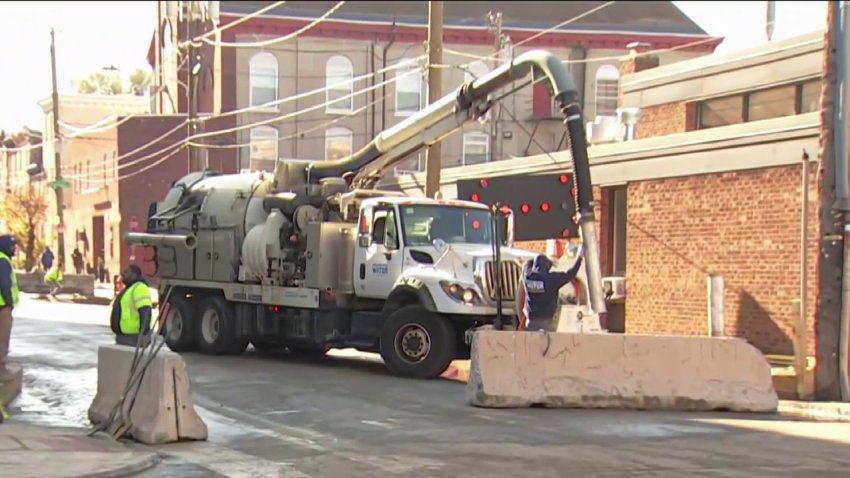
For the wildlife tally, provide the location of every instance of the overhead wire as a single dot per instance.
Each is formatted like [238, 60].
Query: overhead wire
[274, 41]
[236, 22]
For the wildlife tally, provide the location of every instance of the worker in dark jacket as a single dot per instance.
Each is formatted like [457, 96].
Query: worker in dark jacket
[542, 287]
[8, 301]
[131, 310]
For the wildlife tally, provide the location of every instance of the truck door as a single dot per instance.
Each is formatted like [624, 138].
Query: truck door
[379, 259]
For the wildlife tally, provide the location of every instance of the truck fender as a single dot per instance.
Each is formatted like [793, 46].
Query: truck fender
[409, 291]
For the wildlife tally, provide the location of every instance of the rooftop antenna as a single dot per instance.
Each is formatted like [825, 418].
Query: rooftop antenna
[771, 19]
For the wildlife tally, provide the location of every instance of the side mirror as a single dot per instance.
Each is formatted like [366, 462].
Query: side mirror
[365, 240]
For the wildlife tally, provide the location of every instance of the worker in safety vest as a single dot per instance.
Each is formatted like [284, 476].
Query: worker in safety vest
[8, 300]
[542, 287]
[131, 309]
[54, 278]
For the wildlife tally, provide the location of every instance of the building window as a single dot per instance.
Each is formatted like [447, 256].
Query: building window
[411, 165]
[264, 148]
[721, 112]
[408, 89]
[339, 70]
[810, 96]
[338, 143]
[263, 79]
[476, 148]
[776, 102]
[772, 103]
[607, 87]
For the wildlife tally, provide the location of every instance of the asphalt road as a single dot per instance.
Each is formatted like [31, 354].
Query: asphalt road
[274, 416]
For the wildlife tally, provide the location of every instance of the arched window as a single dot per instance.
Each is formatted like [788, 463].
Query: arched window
[408, 88]
[264, 148]
[476, 148]
[337, 96]
[263, 78]
[607, 85]
[338, 143]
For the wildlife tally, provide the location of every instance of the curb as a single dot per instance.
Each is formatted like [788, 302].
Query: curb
[818, 414]
[128, 470]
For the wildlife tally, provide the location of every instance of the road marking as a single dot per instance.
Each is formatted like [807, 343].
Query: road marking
[385, 426]
[281, 412]
[292, 435]
[393, 464]
[232, 463]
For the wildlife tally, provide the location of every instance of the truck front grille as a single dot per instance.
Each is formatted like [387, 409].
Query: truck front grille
[510, 277]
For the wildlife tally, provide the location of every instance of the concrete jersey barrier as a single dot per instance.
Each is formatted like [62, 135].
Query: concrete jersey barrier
[33, 283]
[163, 411]
[521, 369]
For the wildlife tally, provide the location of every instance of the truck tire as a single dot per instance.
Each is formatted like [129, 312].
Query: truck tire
[416, 343]
[180, 325]
[216, 329]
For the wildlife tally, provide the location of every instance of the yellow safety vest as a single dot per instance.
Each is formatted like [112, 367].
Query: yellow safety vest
[136, 297]
[53, 275]
[4, 257]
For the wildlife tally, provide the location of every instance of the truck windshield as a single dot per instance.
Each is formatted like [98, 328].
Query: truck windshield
[453, 224]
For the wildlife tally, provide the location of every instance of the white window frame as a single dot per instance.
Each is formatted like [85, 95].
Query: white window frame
[264, 133]
[407, 74]
[339, 69]
[476, 138]
[610, 74]
[264, 60]
[338, 133]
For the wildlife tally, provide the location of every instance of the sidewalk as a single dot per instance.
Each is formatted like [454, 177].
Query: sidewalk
[28, 451]
[458, 371]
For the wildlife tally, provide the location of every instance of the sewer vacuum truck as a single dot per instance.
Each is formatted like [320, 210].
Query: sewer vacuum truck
[313, 257]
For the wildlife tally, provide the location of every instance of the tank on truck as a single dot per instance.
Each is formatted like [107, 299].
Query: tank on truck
[469, 102]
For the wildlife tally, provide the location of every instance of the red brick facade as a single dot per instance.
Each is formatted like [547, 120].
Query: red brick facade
[742, 225]
[670, 118]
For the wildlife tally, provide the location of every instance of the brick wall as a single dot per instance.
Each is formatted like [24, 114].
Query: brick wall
[742, 225]
[669, 118]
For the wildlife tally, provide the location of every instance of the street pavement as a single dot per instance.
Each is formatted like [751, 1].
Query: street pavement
[276, 416]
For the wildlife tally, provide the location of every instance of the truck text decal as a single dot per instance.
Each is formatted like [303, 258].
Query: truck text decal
[380, 269]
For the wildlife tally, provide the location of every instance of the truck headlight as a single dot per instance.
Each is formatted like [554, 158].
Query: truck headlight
[458, 292]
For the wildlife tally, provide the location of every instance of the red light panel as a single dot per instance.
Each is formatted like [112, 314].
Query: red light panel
[476, 224]
[573, 191]
[364, 224]
[544, 207]
[525, 208]
[565, 233]
[275, 309]
[575, 219]
[484, 183]
[475, 197]
[564, 179]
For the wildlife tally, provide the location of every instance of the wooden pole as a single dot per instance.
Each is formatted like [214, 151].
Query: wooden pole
[827, 321]
[433, 155]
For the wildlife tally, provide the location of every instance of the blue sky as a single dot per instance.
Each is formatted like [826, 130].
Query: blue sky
[94, 35]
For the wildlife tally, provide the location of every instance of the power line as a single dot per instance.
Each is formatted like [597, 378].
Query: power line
[273, 41]
[237, 22]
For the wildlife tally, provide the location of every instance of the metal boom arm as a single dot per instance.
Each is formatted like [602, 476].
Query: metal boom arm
[468, 102]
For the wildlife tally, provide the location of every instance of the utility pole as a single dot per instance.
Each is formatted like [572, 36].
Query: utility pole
[57, 154]
[433, 156]
[494, 25]
[828, 315]
[191, 97]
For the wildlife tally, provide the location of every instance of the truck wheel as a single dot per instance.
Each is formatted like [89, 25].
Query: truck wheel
[180, 325]
[416, 343]
[217, 328]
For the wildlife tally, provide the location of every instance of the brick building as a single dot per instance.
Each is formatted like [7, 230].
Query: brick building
[712, 185]
[364, 37]
[89, 164]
